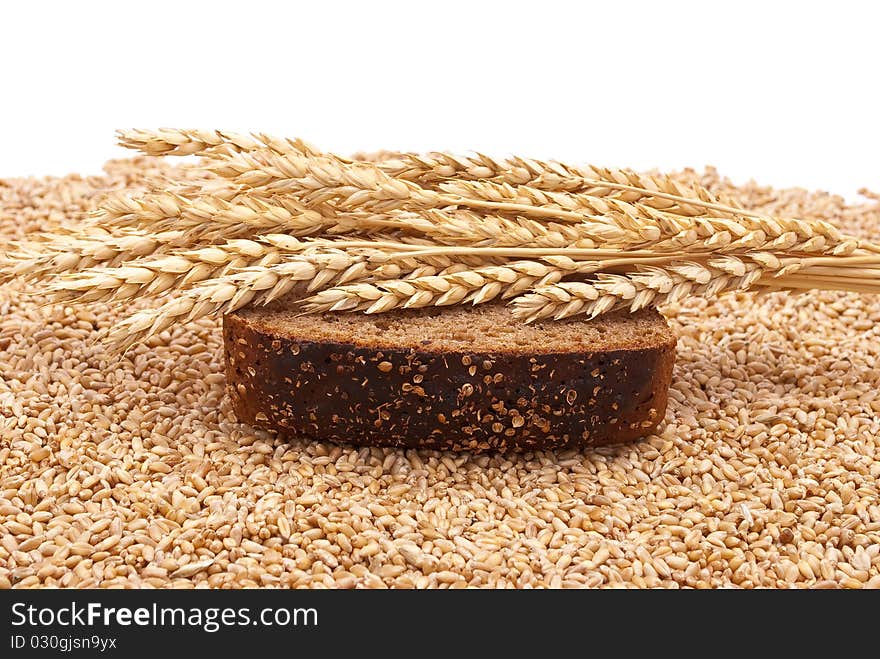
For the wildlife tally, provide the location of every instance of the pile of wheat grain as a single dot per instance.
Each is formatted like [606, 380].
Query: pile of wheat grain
[131, 471]
[260, 217]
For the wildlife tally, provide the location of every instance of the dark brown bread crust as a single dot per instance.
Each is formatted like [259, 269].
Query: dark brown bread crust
[413, 397]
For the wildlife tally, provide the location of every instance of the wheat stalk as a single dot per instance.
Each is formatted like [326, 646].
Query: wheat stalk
[364, 187]
[198, 213]
[179, 142]
[181, 269]
[249, 215]
[205, 184]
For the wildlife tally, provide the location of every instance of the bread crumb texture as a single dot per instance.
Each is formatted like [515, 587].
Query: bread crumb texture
[461, 328]
[134, 471]
[459, 378]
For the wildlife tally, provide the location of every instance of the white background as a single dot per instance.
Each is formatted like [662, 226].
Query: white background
[783, 92]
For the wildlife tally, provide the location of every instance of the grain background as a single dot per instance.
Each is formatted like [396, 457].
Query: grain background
[132, 472]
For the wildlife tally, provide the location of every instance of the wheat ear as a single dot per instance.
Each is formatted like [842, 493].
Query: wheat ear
[597, 181]
[254, 285]
[209, 217]
[188, 142]
[670, 283]
[475, 285]
[158, 275]
[791, 234]
[54, 254]
[257, 285]
[659, 192]
[379, 156]
[648, 285]
[363, 186]
[465, 227]
[183, 268]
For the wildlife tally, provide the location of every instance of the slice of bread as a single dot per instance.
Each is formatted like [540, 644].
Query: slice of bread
[460, 377]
